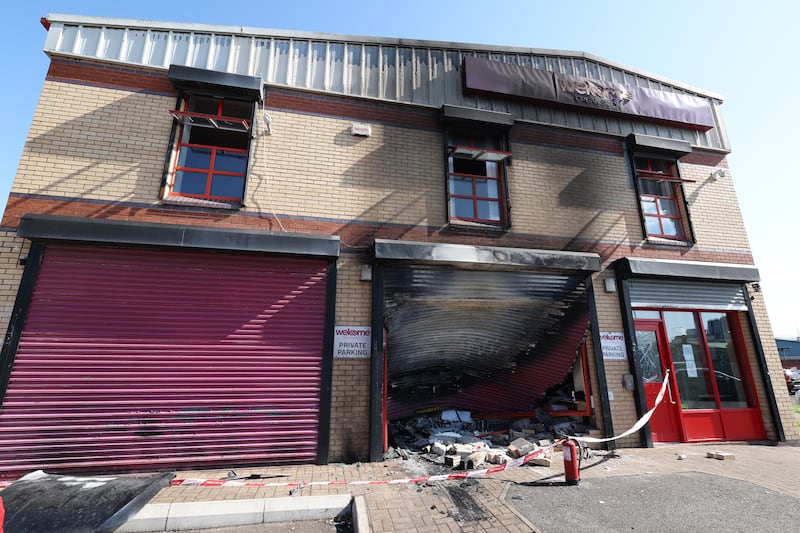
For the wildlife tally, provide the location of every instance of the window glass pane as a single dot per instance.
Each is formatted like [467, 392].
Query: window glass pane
[649, 206]
[491, 169]
[460, 185]
[190, 182]
[194, 157]
[724, 361]
[668, 207]
[692, 372]
[655, 187]
[671, 227]
[652, 226]
[488, 210]
[653, 315]
[486, 188]
[461, 208]
[230, 161]
[649, 357]
[228, 186]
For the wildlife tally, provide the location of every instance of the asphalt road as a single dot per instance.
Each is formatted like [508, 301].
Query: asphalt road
[681, 502]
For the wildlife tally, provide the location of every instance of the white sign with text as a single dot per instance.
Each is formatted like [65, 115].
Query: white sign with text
[612, 343]
[352, 342]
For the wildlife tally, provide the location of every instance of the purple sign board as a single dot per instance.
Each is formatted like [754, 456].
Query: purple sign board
[494, 77]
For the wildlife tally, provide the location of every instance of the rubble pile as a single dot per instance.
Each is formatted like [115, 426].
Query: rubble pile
[454, 439]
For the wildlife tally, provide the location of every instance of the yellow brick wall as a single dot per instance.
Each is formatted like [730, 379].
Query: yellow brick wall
[97, 143]
[109, 144]
[12, 248]
[775, 369]
[572, 193]
[714, 209]
[350, 390]
[623, 405]
[312, 166]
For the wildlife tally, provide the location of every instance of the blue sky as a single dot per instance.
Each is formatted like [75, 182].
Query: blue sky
[748, 52]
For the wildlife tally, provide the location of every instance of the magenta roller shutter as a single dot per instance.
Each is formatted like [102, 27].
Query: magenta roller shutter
[136, 359]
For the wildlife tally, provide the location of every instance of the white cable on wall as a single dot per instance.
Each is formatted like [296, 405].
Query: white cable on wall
[268, 122]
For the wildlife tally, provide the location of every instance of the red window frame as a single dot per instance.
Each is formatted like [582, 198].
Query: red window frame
[206, 120]
[475, 152]
[645, 171]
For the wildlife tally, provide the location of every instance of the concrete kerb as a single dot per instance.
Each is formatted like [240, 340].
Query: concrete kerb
[205, 515]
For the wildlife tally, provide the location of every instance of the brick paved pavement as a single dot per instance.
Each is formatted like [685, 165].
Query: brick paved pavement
[478, 504]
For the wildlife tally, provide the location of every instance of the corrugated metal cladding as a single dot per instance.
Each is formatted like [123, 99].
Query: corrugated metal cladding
[687, 295]
[139, 358]
[427, 73]
[489, 341]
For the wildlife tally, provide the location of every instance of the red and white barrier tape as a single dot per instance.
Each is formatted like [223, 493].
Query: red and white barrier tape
[639, 423]
[442, 477]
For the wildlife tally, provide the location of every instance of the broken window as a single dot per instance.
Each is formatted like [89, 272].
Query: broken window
[476, 171]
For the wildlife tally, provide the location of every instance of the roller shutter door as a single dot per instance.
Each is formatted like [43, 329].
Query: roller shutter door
[687, 295]
[143, 358]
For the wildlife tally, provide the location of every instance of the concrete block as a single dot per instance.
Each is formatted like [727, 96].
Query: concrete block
[452, 460]
[438, 448]
[464, 450]
[722, 456]
[521, 447]
[497, 458]
[540, 461]
[476, 459]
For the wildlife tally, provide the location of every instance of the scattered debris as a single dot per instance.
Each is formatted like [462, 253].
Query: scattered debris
[453, 438]
[296, 489]
[722, 456]
[681, 456]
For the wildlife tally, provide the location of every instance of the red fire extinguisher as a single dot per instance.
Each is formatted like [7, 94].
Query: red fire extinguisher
[571, 461]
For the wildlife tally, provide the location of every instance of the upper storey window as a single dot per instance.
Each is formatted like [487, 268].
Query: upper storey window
[209, 157]
[476, 178]
[212, 148]
[660, 198]
[477, 161]
[659, 187]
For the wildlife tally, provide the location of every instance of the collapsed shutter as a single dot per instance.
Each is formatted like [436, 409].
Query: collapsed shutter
[484, 340]
[687, 295]
[141, 358]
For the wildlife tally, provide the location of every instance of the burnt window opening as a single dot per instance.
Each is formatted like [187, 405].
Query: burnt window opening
[211, 149]
[662, 201]
[476, 177]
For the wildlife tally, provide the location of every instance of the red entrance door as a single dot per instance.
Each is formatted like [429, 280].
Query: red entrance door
[654, 360]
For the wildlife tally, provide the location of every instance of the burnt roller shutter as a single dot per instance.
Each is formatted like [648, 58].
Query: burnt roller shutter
[142, 358]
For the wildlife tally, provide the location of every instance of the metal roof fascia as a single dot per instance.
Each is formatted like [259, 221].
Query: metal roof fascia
[485, 255]
[52, 227]
[633, 266]
[400, 42]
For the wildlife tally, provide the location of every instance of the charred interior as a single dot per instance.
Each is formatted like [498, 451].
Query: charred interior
[495, 343]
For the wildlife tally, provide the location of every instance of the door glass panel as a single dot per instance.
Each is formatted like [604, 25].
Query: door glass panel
[724, 361]
[692, 372]
[649, 357]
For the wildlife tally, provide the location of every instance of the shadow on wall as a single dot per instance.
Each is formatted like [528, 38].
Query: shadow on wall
[112, 156]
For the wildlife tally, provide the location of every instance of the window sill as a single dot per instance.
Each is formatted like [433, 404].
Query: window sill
[200, 202]
[465, 226]
[668, 242]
